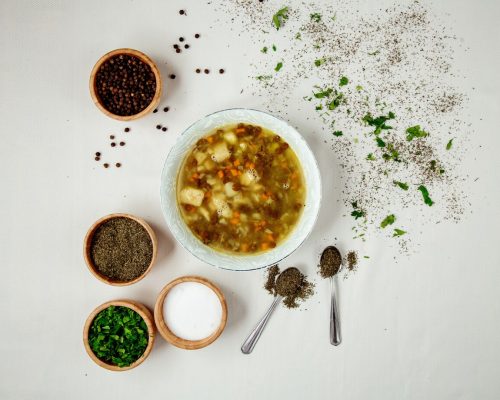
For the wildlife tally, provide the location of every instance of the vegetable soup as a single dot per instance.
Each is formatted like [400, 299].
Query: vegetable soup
[241, 189]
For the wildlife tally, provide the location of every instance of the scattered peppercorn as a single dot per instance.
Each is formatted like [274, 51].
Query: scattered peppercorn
[186, 46]
[111, 137]
[198, 70]
[155, 110]
[182, 12]
[172, 76]
[113, 144]
[125, 85]
[221, 71]
[177, 50]
[176, 46]
[97, 154]
[127, 129]
[106, 165]
[122, 143]
[158, 126]
[97, 158]
[181, 39]
[166, 109]
[164, 129]
[207, 71]
[118, 165]
[197, 36]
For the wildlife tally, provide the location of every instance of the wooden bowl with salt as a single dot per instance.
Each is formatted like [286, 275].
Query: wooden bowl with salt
[87, 247]
[167, 333]
[142, 57]
[140, 309]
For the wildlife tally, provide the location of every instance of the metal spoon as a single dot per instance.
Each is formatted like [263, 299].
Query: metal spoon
[254, 336]
[335, 337]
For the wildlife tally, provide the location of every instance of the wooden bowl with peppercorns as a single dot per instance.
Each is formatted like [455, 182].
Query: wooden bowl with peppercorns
[125, 84]
[120, 249]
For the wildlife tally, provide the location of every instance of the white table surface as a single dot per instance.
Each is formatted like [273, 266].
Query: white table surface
[424, 327]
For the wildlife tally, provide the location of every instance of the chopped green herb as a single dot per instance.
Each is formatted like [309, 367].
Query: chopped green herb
[359, 88]
[298, 36]
[319, 61]
[337, 133]
[380, 142]
[118, 336]
[335, 102]
[391, 154]
[263, 77]
[402, 185]
[324, 93]
[374, 53]
[316, 17]
[415, 132]
[389, 220]
[334, 17]
[343, 81]
[357, 213]
[264, 50]
[370, 157]
[425, 195]
[449, 144]
[280, 17]
[398, 232]
[278, 66]
[380, 122]
[274, 47]
[320, 107]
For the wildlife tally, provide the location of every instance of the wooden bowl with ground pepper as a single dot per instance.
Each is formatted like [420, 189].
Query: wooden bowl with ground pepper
[125, 84]
[123, 331]
[120, 249]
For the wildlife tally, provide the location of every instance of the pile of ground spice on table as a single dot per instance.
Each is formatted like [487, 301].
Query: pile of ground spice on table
[121, 249]
[291, 284]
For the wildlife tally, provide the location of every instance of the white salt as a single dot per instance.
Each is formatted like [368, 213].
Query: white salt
[192, 311]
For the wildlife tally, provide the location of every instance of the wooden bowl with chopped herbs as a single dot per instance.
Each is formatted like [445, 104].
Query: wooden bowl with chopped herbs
[119, 335]
[120, 249]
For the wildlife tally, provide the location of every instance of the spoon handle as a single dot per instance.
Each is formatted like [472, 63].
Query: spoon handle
[335, 338]
[254, 336]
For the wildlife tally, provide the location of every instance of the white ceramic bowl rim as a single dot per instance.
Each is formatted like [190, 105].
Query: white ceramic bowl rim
[169, 181]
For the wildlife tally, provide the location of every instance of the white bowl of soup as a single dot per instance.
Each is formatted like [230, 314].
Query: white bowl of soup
[241, 189]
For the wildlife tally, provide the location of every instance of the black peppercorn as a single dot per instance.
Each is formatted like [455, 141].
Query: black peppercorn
[111, 137]
[181, 39]
[186, 46]
[113, 144]
[182, 12]
[164, 129]
[118, 165]
[198, 70]
[122, 143]
[207, 71]
[127, 129]
[221, 71]
[177, 50]
[158, 126]
[197, 36]
[98, 154]
[155, 110]
[106, 165]
[97, 158]
[166, 109]
[172, 76]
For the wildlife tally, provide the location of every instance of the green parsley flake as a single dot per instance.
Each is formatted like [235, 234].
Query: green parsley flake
[374, 53]
[280, 17]
[414, 132]
[316, 17]
[274, 47]
[380, 122]
[264, 50]
[337, 133]
[449, 144]
[263, 77]
[298, 36]
[402, 185]
[324, 93]
[343, 81]
[278, 66]
[380, 142]
[370, 157]
[389, 220]
[359, 88]
[357, 213]
[319, 61]
[425, 195]
[398, 232]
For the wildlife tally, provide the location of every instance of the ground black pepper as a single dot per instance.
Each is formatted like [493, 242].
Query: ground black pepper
[125, 85]
[330, 262]
[291, 284]
[121, 249]
[352, 260]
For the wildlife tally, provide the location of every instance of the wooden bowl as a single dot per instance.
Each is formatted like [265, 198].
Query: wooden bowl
[143, 57]
[168, 335]
[88, 241]
[139, 308]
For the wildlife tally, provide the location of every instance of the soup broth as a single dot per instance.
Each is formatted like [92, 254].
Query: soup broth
[241, 189]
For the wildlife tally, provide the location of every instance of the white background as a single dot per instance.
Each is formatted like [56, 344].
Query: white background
[424, 327]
